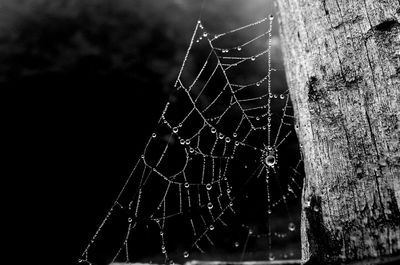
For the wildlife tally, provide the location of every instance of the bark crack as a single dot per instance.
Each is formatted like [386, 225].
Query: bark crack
[377, 155]
[366, 13]
[328, 17]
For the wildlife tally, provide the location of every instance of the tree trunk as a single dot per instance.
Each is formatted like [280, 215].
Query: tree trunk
[342, 60]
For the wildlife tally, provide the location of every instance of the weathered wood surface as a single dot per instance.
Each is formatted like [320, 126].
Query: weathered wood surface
[342, 61]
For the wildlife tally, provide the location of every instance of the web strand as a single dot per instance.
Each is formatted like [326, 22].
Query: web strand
[217, 140]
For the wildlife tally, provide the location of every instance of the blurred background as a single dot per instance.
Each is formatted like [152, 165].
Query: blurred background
[86, 82]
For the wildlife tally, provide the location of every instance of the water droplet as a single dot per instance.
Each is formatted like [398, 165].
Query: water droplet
[315, 208]
[269, 211]
[213, 130]
[205, 34]
[210, 206]
[142, 156]
[191, 150]
[182, 141]
[239, 48]
[228, 191]
[231, 204]
[275, 96]
[291, 226]
[187, 141]
[175, 129]
[234, 135]
[236, 244]
[271, 17]
[258, 84]
[270, 160]
[236, 143]
[296, 126]
[251, 231]
[282, 96]
[129, 220]
[271, 256]
[208, 186]
[154, 135]
[227, 139]
[185, 254]
[163, 250]
[212, 227]
[186, 185]
[161, 233]
[253, 58]
[221, 136]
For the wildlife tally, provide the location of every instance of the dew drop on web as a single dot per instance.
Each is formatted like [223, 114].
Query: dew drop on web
[271, 256]
[270, 160]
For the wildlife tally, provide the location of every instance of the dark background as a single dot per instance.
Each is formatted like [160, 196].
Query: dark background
[84, 83]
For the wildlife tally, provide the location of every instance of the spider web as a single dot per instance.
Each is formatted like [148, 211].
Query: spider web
[223, 157]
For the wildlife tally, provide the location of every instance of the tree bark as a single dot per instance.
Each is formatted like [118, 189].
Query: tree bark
[342, 61]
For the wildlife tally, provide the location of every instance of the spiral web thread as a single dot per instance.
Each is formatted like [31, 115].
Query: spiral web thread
[219, 133]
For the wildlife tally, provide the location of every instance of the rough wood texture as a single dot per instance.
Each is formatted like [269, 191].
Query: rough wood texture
[342, 61]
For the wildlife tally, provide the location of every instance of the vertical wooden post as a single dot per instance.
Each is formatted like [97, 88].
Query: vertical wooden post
[342, 60]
